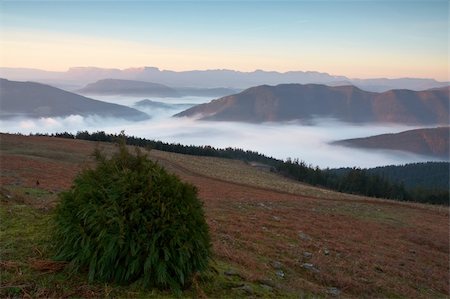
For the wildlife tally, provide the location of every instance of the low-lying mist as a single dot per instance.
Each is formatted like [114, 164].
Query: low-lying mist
[309, 143]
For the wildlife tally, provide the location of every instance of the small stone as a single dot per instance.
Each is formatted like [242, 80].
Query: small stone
[276, 218]
[326, 252]
[304, 236]
[307, 254]
[334, 292]
[310, 267]
[276, 265]
[280, 273]
[231, 272]
[246, 288]
[267, 282]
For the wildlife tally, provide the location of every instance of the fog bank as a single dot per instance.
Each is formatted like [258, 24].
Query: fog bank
[306, 142]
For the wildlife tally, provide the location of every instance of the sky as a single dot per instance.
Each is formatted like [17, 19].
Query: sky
[357, 39]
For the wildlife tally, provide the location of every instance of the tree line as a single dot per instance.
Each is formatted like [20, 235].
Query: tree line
[352, 180]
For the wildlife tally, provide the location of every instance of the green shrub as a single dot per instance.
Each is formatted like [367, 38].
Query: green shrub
[129, 220]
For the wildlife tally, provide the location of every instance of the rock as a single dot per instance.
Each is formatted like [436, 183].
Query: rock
[304, 236]
[326, 251]
[232, 272]
[307, 254]
[246, 288]
[310, 267]
[280, 273]
[334, 292]
[267, 282]
[276, 265]
[276, 218]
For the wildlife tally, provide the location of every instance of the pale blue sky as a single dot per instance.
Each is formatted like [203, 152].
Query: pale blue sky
[353, 38]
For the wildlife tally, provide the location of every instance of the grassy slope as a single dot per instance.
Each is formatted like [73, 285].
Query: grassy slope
[364, 247]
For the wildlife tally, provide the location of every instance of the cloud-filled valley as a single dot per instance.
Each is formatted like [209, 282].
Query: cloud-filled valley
[309, 143]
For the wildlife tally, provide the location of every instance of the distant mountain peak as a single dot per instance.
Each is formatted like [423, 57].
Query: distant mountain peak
[213, 78]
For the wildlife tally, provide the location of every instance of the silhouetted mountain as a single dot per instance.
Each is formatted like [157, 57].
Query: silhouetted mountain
[128, 87]
[212, 78]
[287, 102]
[141, 88]
[429, 142]
[29, 99]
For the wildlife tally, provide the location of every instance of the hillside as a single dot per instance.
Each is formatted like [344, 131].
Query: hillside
[128, 87]
[272, 237]
[288, 102]
[426, 175]
[433, 142]
[35, 100]
[144, 88]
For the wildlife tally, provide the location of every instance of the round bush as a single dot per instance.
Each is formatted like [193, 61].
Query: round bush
[129, 220]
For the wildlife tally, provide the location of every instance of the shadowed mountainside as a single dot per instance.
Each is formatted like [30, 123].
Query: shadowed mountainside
[144, 88]
[288, 102]
[429, 142]
[29, 99]
[128, 87]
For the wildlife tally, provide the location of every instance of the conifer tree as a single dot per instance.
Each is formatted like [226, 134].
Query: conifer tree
[129, 220]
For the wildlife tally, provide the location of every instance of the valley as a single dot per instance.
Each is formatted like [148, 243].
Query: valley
[224, 149]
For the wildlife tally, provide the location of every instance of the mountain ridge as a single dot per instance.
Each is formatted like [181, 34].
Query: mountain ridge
[31, 99]
[433, 142]
[287, 102]
[145, 88]
[213, 78]
[128, 87]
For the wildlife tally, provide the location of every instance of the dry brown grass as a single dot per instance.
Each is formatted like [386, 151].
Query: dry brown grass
[48, 266]
[364, 247]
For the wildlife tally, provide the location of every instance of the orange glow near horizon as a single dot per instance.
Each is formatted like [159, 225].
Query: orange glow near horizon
[56, 52]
